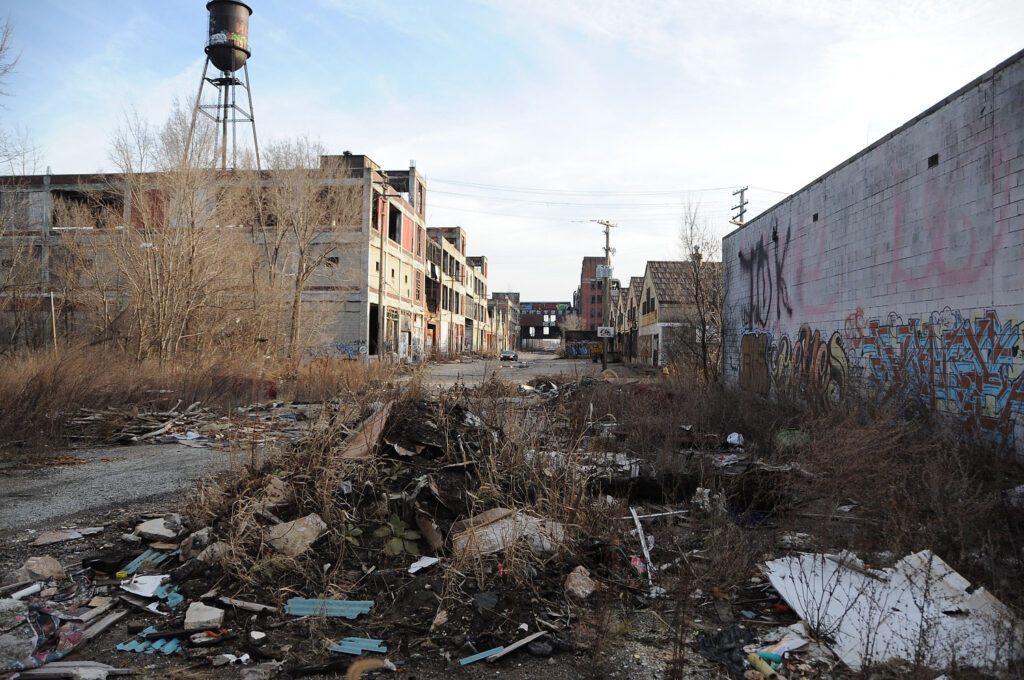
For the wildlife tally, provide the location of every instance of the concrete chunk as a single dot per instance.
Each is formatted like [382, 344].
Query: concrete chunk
[166, 528]
[294, 538]
[579, 584]
[203, 617]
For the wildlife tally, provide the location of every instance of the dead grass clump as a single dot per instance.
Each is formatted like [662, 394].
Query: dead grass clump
[48, 391]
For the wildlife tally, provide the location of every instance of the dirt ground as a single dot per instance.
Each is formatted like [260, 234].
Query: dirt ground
[548, 441]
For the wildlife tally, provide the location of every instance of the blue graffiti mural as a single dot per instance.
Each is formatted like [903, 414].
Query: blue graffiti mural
[950, 363]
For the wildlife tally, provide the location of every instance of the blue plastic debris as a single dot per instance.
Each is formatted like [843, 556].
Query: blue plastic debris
[349, 609]
[481, 655]
[163, 645]
[169, 592]
[151, 556]
[356, 646]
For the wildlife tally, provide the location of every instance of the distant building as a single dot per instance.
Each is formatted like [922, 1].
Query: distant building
[541, 323]
[589, 297]
[424, 290]
[506, 314]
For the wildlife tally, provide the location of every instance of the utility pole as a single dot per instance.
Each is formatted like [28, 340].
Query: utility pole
[380, 279]
[742, 207]
[607, 285]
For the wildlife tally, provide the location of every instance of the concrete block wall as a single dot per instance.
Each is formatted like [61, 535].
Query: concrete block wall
[901, 270]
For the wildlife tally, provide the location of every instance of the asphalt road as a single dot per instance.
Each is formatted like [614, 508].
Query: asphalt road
[43, 497]
[155, 474]
[530, 365]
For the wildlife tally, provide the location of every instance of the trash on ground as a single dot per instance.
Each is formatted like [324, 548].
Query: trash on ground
[349, 609]
[356, 646]
[61, 535]
[516, 645]
[501, 528]
[482, 655]
[422, 563]
[919, 610]
[32, 635]
[360, 444]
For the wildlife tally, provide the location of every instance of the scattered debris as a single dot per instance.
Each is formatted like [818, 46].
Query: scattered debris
[356, 646]
[349, 609]
[501, 528]
[529, 639]
[61, 535]
[41, 568]
[422, 563]
[481, 655]
[362, 442]
[919, 610]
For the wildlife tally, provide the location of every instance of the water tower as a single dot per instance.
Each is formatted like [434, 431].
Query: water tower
[227, 48]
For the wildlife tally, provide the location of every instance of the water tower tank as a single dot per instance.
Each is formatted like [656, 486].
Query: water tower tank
[228, 45]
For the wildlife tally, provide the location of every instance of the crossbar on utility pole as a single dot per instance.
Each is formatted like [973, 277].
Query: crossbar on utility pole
[742, 207]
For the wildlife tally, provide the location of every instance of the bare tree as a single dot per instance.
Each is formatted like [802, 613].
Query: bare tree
[152, 263]
[704, 288]
[20, 273]
[303, 214]
[7, 60]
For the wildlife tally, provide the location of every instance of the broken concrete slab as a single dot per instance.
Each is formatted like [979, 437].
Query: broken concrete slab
[277, 492]
[165, 528]
[40, 568]
[76, 670]
[579, 584]
[501, 528]
[920, 610]
[203, 617]
[194, 543]
[214, 553]
[294, 538]
[61, 535]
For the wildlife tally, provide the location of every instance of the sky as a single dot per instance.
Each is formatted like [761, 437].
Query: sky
[530, 119]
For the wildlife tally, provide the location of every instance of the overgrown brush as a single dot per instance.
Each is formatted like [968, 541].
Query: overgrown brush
[42, 392]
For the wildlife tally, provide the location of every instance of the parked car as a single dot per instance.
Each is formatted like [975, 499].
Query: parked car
[509, 355]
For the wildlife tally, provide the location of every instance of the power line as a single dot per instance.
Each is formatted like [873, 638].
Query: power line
[642, 217]
[567, 203]
[591, 192]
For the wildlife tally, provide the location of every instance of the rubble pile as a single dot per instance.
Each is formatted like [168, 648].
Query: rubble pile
[472, 527]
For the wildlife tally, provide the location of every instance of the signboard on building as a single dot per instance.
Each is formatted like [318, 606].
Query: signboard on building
[604, 271]
[606, 331]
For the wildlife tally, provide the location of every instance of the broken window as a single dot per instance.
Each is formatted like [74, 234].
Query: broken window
[88, 208]
[394, 223]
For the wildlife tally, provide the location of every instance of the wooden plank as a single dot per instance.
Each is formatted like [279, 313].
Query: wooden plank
[101, 625]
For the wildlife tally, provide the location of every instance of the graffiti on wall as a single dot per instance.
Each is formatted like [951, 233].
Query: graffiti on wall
[763, 265]
[971, 369]
[810, 368]
[968, 368]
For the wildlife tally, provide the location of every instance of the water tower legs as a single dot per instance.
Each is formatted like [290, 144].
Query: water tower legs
[225, 111]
